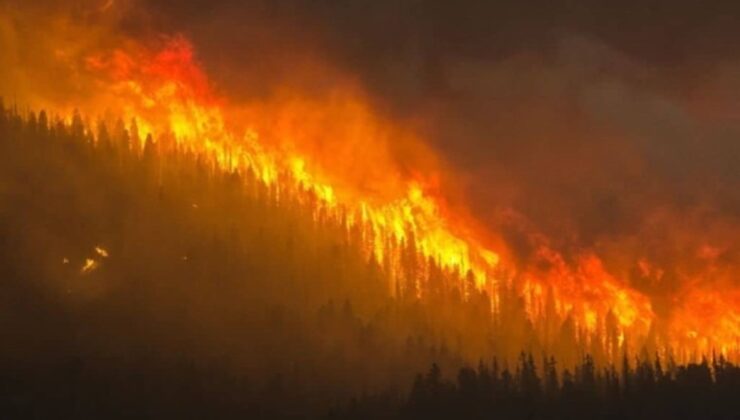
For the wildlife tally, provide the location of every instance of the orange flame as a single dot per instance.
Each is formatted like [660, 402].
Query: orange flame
[357, 181]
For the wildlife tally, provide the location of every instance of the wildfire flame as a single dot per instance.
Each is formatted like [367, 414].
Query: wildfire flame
[168, 95]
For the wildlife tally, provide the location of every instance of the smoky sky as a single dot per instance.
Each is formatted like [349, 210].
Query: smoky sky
[609, 127]
[591, 121]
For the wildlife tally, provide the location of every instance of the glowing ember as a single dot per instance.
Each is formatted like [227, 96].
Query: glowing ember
[101, 251]
[89, 266]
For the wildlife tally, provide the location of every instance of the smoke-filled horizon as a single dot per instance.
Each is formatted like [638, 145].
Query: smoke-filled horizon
[591, 132]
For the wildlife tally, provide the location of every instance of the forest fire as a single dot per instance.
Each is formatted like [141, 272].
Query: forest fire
[166, 94]
[386, 209]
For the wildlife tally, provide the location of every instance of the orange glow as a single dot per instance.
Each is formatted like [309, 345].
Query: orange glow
[335, 151]
[707, 321]
[89, 266]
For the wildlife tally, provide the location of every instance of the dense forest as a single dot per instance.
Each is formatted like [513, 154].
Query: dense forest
[649, 391]
[140, 279]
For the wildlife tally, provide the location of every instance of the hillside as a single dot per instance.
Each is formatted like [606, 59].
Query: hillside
[142, 274]
[140, 280]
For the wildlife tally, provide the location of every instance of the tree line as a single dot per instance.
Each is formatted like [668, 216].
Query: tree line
[651, 390]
